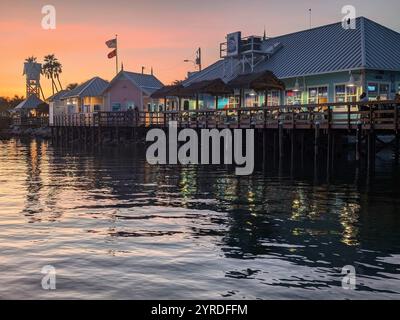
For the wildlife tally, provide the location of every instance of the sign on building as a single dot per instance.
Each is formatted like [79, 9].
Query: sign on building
[233, 44]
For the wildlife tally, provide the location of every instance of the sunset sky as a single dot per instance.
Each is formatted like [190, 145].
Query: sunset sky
[152, 33]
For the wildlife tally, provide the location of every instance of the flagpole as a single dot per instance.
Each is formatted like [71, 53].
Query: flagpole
[116, 51]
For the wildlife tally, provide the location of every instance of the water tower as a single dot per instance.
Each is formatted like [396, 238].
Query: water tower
[32, 71]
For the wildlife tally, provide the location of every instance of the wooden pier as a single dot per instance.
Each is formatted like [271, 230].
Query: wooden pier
[282, 128]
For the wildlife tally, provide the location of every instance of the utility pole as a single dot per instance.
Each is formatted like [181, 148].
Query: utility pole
[116, 51]
[310, 11]
[198, 58]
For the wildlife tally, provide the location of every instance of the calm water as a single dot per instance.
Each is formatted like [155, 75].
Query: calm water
[115, 227]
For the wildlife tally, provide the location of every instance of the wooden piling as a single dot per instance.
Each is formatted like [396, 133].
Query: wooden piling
[358, 142]
[329, 151]
[371, 151]
[280, 134]
[316, 139]
[396, 148]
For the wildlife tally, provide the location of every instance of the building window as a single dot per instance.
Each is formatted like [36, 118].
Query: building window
[116, 107]
[186, 105]
[96, 108]
[317, 95]
[293, 97]
[234, 102]
[71, 108]
[345, 93]
[274, 98]
[384, 90]
[253, 99]
[378, 91]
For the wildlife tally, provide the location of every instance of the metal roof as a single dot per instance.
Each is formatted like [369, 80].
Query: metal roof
[31, 103]
[146, 82]
[91, 88]
[325, 49]
[212, 72]
[382, 47]
[57, 96]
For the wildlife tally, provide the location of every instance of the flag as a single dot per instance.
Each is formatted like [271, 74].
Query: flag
[112, 54]
[112, 43]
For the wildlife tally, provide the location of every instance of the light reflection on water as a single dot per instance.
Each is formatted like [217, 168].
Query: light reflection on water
[116, 227]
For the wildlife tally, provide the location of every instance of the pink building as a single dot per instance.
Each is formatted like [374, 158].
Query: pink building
[130, 90]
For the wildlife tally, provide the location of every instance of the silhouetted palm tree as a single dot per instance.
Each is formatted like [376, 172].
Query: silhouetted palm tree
[177, 82]
[10, 103]
[57, 72]
[52, 69]
[16, 100]
[71, 86]
[31, 59]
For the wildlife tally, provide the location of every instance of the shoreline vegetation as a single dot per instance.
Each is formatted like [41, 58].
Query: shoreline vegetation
[7, 103]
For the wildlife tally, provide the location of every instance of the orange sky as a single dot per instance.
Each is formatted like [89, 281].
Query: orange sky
[156, 33]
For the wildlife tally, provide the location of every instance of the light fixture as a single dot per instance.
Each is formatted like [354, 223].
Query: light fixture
[297, 86]
[351, 82]
[252, 93]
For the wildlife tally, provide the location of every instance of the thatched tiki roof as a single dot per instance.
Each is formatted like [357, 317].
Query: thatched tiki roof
[260, 81]
[215, 87]
[167, 91]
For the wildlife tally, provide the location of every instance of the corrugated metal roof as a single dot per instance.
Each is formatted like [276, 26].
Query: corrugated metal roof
[91, 88]
[31, 103]
[382, 47]
[147, 82]
[57, 96]
[325, 49]
[212, 72]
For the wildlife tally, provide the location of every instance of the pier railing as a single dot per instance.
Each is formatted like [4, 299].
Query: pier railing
[31, 121]
[382, 115]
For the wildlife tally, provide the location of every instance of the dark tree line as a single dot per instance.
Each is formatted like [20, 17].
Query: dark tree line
[7, 103]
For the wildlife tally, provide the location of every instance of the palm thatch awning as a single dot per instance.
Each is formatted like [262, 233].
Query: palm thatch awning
[214, 87]
[167, 91]
[259, 81]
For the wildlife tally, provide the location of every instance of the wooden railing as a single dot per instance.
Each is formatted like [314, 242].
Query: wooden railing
[31, 121]
[378, 115]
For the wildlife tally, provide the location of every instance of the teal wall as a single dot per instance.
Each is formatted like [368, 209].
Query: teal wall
[330, 80]
[343, 77]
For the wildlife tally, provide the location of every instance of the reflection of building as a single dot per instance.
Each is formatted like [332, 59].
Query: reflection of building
[324, 64]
